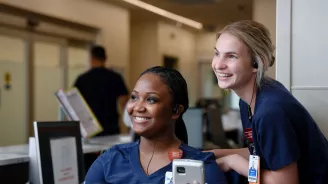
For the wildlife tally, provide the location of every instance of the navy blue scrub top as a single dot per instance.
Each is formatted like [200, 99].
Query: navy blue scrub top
[284, 132]
[120, 165]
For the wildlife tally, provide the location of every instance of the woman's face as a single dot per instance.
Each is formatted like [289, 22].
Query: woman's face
[150, 106]
[232, 63]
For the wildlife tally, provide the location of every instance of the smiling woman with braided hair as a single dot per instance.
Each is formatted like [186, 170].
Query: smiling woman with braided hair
[156, 106]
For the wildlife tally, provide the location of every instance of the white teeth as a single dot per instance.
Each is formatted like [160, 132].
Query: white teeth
[141, 119]
[223, 75]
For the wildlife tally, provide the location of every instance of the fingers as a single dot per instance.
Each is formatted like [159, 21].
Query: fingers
[220, 161]
[222, 164]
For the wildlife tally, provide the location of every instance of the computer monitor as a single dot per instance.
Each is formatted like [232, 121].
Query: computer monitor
[58, 152]
[193, 119]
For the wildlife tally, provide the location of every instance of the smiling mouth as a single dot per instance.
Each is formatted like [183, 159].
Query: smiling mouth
[141, 119]
[224, 75]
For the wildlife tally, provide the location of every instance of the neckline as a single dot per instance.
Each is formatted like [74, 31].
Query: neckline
[136, 165]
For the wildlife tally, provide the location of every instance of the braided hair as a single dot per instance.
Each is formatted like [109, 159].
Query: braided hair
[178, 88]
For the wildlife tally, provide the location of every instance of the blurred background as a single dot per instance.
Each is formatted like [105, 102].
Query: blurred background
[44, 46]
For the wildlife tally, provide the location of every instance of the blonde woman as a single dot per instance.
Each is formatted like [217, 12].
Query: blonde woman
[279, 131]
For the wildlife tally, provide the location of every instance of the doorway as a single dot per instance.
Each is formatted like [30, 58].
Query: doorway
[170, 62]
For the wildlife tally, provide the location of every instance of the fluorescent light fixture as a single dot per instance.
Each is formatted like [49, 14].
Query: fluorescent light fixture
[165, 13]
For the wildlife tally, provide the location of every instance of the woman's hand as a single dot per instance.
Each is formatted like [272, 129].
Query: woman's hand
[226, 152]
[233, 162]
[225, 162]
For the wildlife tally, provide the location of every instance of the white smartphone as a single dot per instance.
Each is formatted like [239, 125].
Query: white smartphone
[186, 171]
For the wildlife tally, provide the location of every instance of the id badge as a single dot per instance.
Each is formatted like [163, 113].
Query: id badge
[168, 178]
[254, 169]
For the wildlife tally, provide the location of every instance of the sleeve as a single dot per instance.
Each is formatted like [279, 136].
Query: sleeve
[277, 139]
[213, 173]
[121, 88]
[95, 174]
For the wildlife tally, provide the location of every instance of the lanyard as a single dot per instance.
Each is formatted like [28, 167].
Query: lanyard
[250, 118]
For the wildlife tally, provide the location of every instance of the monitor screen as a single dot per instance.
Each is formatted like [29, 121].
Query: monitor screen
[194, 124]
[57, 143]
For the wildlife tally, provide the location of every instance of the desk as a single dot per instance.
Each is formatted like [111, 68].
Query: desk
[19, 153]
[13, 168]
[14, 159]
[98, 144]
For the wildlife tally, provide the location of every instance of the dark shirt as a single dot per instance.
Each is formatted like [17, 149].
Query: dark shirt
[284, 132]
[101, 88]
[121, 165]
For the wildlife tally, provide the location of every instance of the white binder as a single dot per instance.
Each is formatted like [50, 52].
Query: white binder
[76, 109]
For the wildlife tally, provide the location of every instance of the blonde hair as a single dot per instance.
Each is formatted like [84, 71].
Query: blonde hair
[257, 38]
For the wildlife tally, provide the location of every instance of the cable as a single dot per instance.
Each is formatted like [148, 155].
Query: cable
[150, 159]
[152, 156]
[250, 115]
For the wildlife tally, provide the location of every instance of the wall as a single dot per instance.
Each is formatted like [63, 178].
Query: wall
[301, 44]
[204, 54]
[112, 20]
[150, 41]
[12, 101]
[264, 11]
[144, 49]
[205, 45]
[180, 43]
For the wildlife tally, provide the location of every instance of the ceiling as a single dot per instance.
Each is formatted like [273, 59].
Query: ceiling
[211, 13]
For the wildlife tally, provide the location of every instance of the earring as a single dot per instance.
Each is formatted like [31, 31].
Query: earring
[255, 65]
[175, 110]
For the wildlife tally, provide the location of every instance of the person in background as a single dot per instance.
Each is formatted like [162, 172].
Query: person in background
[157, 103]
[278, 129]
[103, 89]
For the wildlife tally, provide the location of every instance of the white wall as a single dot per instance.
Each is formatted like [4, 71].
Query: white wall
[113, 21]
[205, 44]
[183, 46]
[144, 49]
[150, 41]
[264, 11]
[301, 46]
